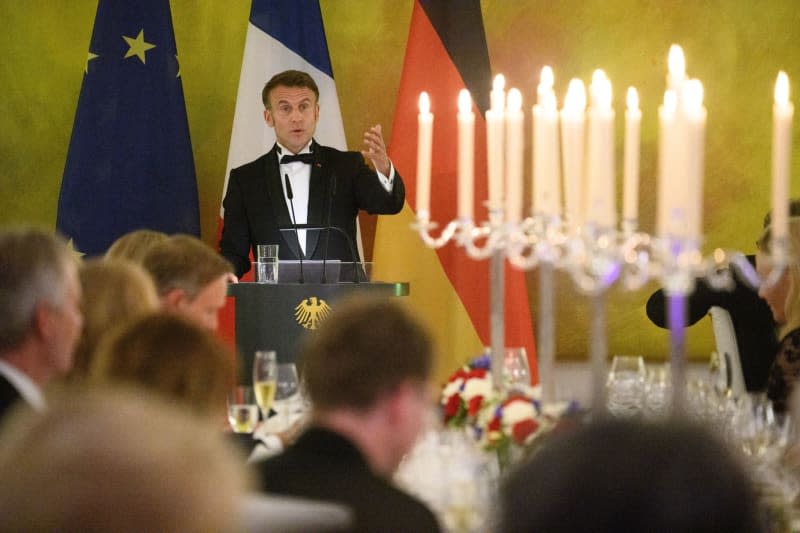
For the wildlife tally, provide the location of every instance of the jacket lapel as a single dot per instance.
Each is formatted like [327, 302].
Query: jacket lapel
[316, 198]
[278, 201]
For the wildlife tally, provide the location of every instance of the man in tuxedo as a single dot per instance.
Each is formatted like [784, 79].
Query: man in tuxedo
[324, 186]
[190, 277]
[40, 296]
[367, 371]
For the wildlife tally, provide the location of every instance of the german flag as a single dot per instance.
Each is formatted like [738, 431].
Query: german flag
[446, 52]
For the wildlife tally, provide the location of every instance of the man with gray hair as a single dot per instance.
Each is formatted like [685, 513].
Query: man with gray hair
[41, 321]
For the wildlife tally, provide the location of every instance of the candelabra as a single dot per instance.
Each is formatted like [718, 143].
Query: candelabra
[595, 258]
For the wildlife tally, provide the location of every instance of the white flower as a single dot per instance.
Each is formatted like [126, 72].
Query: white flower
[517, 411]
[477, 387]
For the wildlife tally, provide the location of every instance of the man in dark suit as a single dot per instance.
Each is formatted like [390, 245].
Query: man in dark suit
[323, 186]
[40, 298]
[367, 371]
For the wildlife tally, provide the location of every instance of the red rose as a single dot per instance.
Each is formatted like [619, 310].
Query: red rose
[494, 424]
[474, 405]
[451, 407]
[522, 430]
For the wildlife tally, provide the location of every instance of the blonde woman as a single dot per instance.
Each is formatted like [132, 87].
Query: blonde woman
[114, 292]
[783, 298]
[134, 246]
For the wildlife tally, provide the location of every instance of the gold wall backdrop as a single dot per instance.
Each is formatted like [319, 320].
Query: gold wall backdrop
[735, 48]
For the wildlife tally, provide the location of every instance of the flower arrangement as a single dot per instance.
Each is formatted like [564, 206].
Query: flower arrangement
[499, 422]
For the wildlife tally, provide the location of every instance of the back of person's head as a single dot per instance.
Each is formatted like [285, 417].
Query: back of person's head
[170, 355]
[116, 460]
[36, 267]
[114, 292]
[634, 477]
[365, 348]
[184, 262]
[289, 78]
[134, 246]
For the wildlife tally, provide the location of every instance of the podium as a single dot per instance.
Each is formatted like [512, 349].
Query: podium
[277, 316]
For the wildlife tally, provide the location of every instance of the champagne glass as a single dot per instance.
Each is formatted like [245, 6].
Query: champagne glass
[265, 377]
[242, 409]
[287, 392]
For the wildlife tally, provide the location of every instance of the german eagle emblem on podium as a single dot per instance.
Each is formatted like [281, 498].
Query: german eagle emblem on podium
[311, 311]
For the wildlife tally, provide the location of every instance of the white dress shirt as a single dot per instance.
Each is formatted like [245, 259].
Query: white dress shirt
[299, 175]
[28, 390]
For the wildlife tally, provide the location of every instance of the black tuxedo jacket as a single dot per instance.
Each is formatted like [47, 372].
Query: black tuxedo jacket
[323, 465]
[8, 396]
[255, 207]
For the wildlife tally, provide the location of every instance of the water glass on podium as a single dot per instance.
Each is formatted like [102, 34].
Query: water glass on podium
[266, 264]
[626, 386]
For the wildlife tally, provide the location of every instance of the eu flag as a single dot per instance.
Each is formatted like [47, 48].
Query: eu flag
[129, 164]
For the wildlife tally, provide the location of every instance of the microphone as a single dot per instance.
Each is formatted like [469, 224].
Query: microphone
[290, 196]
[328, 228]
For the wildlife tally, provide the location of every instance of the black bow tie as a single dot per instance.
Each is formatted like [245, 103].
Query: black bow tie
[303, 158]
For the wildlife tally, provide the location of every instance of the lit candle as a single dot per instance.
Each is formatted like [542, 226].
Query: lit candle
[514, 152]
[572, 127]
[676, 63]
[782, 113]
[601, 208]
[633, 120]
[545, 162]
[695, 124]
[424, 149]
[466, 157]
[667, 145]
[494, 142]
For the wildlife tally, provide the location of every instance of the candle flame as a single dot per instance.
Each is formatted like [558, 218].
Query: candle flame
[464, 102]
[546, 79]
[633, 99]
[782, 89]
[499, 83]
[676, 61]
[600, 90]
[424, 103]
[576, 96]
[514, 100]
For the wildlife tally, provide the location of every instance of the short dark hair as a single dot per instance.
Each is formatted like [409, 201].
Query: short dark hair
[364, 349]
[289, 78]
[631, 476]
[184, 262]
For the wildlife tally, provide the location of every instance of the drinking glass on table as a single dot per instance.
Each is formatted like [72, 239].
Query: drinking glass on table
[242, 409]
[265, 378]
[626, 385]
[287, 394]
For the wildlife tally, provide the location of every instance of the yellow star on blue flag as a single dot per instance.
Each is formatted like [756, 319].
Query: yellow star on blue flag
[138, 46]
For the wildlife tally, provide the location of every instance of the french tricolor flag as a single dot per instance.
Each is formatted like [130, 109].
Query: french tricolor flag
[281, 35]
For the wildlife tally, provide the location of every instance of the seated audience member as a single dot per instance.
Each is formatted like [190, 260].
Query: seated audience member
[631, 476]
[116, 460]
[134, 246]
[190, 277]
[40, 314]
[170, 355]
[114, 292]
[366, 370]
[783, 298]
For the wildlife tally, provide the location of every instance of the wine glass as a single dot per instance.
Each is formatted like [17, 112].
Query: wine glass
[242, 409]
[265, 376]
[287, 393]
[515, 367]
[626, 385]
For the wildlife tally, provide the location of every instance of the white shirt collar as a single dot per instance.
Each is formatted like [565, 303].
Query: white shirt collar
[284, 151]
[29, 391]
